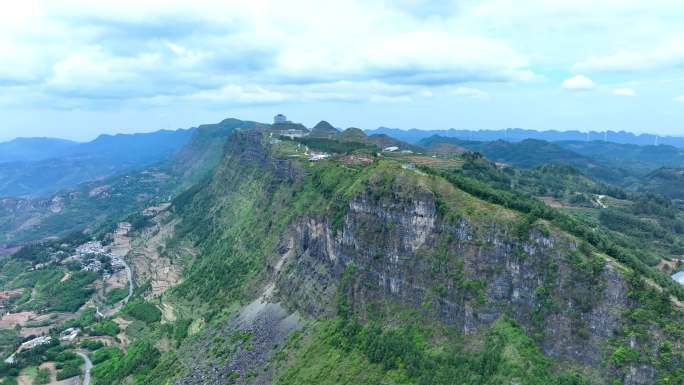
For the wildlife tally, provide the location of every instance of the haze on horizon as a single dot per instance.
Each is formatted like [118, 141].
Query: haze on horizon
[74, 69]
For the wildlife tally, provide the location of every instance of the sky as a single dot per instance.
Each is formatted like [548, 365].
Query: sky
[76, 68]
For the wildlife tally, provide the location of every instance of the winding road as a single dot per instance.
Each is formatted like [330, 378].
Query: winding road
[129, 274]
[88, 367]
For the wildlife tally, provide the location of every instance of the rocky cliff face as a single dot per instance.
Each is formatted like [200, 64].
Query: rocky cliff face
[468, 273]
[418, 242]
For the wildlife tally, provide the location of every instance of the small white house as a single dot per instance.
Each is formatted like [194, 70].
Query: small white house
[35, 342]
[293, 133]
[317, 157]
[679, 277]
[70, 334]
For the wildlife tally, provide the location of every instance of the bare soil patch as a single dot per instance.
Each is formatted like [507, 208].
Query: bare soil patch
[10, 320]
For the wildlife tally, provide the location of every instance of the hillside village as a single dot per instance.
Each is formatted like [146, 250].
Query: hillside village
[44, 329]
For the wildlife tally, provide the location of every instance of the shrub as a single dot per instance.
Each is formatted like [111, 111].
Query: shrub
[72, 369]
[116, 295]
[105, 328]
[144, 311]
[42, 377]
[140, 358]
[92, 344]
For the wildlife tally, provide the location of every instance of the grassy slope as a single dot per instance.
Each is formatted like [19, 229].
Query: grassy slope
[236, 218]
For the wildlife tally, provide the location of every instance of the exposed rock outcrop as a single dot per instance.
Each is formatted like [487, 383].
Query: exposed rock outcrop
[467, 273]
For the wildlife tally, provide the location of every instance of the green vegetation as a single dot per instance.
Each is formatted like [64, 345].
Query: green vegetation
[245, 219]
[347, 352]
[179, 330]
[105, 327]
[92, 344]
[140, 358]
[636, 258]
[123, 194]
[336, 146]
[656, 312]
[143, 311]
[666, 181]
[115, 295]
[9, 340]
[28, 361]
[87, 318]
[50, 292]
[68, 365]
[247, 222]
[531, 153]
[9, 381]
[49, 286]
[42, 377]
[236, 219]
[105, 354]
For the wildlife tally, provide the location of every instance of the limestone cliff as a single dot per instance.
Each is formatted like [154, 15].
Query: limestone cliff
[415, 241]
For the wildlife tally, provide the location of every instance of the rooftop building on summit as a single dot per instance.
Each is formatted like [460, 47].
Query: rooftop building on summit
[280, 119]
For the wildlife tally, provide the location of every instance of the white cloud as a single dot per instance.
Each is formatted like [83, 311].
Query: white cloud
[578, 83]
[389, 99]
[223, 53]
[232, 93]
[624, 92]
[163, 50]
[667, 54]
[470, 92]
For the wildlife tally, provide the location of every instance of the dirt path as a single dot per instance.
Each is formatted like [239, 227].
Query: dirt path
[86, 369]
[108, 311]
[129, 275]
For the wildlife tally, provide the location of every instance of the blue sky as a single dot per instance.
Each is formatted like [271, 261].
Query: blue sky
[76, 68]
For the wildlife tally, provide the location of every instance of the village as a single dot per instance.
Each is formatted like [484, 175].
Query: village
[44, 330]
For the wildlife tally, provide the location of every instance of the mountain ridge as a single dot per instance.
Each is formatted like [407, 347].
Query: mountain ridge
[354, 248]
[414, 135]
[262, 264]
[46, 171]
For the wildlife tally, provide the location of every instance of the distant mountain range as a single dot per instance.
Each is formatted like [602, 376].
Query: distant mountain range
[31, 167]
[517, 134]
[91, 203]
[33, 149]
[531, 153]
[658, 169]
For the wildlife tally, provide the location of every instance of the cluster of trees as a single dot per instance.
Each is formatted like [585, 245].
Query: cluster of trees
[112, 366]
[527, 204]
[143, 311]
[115, 295]
[336, 146]
[47, 291]
[67, 363]
[409, 349]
